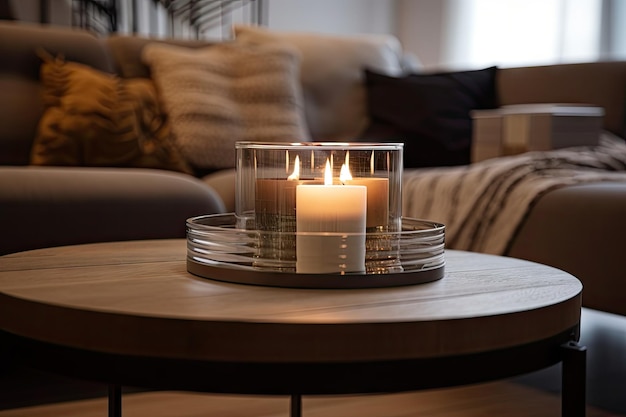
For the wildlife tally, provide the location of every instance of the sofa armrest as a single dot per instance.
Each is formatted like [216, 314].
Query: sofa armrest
[581, 229]
[50, 206]
[599, 83]
[224, 183]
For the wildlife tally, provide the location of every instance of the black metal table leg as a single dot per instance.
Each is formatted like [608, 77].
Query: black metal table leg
[573, 397]
[296, 406]
[115, 400]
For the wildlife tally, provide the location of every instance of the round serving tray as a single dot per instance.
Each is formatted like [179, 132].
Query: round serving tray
[217, 250]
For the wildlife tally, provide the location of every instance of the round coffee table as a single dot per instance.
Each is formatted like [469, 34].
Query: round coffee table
[129, 313]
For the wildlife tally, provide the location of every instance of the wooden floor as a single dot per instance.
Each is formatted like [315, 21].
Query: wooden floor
[484, 400]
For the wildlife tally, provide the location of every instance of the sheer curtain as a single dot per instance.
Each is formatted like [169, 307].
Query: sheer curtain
[524, 32]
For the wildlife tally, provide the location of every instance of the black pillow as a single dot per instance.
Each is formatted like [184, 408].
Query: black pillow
[430, 113]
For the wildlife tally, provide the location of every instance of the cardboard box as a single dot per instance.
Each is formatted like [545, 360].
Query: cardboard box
[514, 129]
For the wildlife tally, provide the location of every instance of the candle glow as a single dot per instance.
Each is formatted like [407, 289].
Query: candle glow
[328, 174]
[295, 175]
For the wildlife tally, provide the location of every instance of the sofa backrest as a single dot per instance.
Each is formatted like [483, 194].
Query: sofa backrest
[331, 71]
[331, 75]
[21, 105]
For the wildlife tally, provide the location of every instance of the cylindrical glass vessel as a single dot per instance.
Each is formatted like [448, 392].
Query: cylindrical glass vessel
[304, 190]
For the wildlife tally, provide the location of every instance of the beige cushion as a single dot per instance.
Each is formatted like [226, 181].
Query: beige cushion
[226, 93]
[332, 74]
[93, 118]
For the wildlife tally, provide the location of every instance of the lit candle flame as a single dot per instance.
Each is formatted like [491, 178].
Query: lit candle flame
[345, 174]
[295, 175]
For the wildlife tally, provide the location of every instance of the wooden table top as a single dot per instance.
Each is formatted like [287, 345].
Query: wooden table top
[136, 298]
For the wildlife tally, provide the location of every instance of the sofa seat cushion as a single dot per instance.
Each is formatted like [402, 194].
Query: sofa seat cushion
[332, 74]
[430, 113]
[93, 118]
[221, 94]
[580, 229]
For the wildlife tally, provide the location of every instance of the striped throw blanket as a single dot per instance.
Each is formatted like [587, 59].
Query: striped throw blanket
[483, 204]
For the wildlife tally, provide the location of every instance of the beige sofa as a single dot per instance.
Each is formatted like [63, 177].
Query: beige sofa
[577, 228]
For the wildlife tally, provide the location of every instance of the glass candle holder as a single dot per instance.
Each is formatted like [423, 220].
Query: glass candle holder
[311, 194]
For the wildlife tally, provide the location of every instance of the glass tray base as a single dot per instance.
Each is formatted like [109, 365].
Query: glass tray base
[217, 249]
[319, 281]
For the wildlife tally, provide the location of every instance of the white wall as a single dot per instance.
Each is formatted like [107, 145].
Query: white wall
[439, 33]
[430, 29]
[420, 28]
[332, 16]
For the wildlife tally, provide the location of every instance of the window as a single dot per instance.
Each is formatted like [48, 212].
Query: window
[524, 32]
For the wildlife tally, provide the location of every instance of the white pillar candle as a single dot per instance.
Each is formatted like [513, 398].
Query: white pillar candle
[336, 217]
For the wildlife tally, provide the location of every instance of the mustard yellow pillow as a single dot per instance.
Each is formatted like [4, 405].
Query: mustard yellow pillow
[92, 118]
